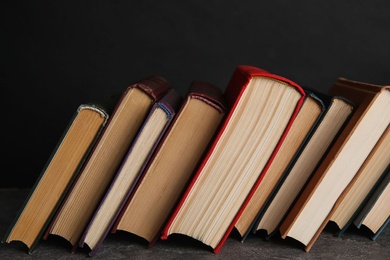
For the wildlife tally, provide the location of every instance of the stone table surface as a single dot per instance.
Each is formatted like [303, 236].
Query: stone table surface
[354, 244]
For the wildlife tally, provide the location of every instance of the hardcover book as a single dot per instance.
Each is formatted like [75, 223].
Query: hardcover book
[337, 112]
[141, 150]
[59, 172]
[313, 208]
[308, 116]
[262, 108]
[88, 189]
[173, 163]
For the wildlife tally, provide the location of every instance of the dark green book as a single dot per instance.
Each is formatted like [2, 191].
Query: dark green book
[61, 169]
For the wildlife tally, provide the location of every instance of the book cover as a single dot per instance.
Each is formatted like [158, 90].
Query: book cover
[104, 160]
[344, 159]
[132, 167]
[173, 163]
[59, 172]
[248, 93]
[307, 118]
[337, 112]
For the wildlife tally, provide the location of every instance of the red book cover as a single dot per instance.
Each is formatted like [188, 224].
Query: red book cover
[236, 88]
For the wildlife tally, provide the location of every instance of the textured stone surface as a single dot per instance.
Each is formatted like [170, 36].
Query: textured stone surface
[352, 245]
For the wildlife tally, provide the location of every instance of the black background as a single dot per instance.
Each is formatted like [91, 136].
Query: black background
[55, 55]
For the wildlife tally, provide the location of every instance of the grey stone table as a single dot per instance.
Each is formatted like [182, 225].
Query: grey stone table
[352, 245]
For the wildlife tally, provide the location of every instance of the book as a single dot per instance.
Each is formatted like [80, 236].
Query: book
[349, 203]
[308, 116]
[337, 112]
[375, 215]
[135, 161]
[173, 163]
[262, 108]
[59, 172]
[312, 210]
[86, 192]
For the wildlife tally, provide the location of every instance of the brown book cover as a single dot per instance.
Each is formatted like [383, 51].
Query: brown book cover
[86, 192]
[344, 159]
[173, 163]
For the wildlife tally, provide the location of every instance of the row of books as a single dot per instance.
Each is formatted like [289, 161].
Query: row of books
[264, 155]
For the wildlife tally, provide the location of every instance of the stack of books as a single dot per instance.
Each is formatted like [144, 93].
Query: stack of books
[266, 156]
